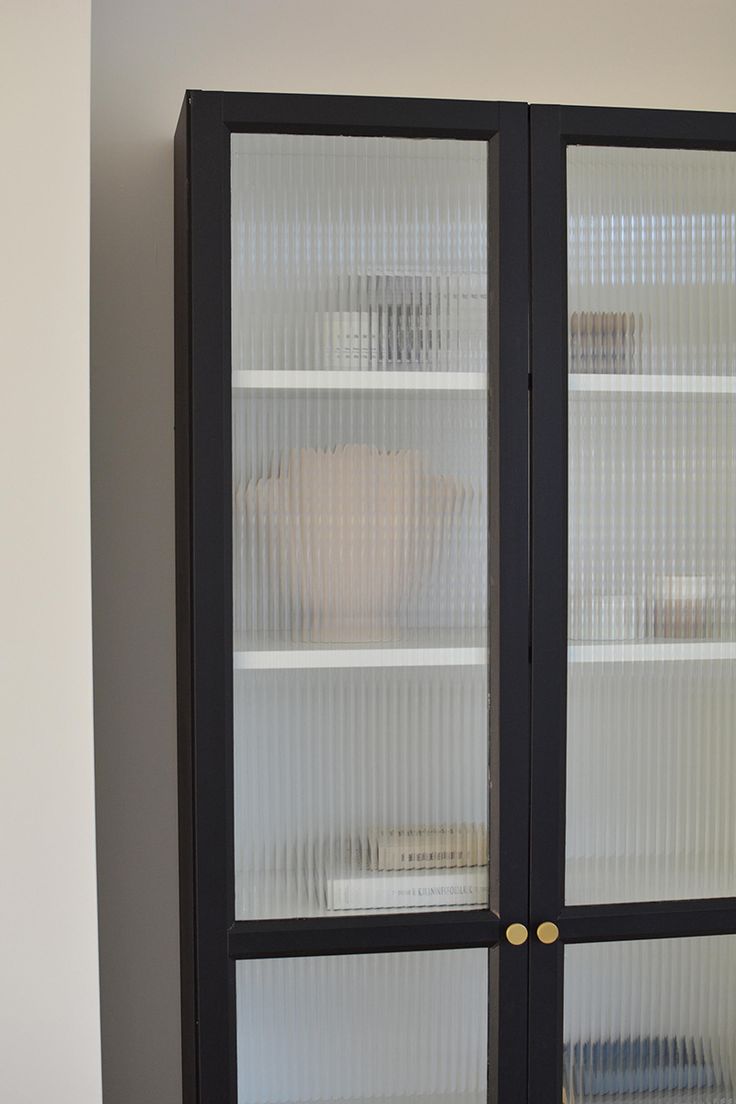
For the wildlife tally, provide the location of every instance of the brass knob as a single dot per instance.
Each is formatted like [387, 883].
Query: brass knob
[548, 932]
[517, 934]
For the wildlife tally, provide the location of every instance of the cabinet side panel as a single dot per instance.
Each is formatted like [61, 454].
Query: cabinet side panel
[182, 393]
[209, 577]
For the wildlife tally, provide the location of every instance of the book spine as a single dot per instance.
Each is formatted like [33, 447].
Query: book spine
[448, 888]
[418, 850]
[398, 857]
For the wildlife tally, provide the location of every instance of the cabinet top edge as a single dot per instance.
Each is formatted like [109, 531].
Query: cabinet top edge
[342, 97]
[635, 125]
[359, 115]
[638, 111]
[448, 117]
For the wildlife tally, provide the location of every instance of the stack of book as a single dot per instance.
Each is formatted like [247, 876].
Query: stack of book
[420, 866]
[605, 341]
[405, 321]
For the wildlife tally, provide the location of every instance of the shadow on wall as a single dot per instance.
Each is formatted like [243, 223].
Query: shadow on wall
[132, 444]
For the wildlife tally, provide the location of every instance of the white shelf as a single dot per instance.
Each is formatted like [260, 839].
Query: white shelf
[326, 658]
[360, 381]
[649, 384]
[645, 653]
[261, 660]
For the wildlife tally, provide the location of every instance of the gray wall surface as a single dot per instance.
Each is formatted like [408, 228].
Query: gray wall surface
[656, 53]
[49, 978]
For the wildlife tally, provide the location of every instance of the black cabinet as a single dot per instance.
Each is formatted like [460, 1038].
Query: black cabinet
[456, 537]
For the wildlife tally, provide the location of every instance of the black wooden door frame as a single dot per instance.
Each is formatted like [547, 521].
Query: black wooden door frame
[211, 940]
[552, 129]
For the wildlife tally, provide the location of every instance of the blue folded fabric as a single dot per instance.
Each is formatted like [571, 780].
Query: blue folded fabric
[637, 1065]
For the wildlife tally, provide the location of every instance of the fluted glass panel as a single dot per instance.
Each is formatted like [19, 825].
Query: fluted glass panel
[361, 790]
[652, 524]
[651, 260]
[359, 519]
[358, 253]
[360, 523]
[651, 775]
[651, 1020]
[377, 1027]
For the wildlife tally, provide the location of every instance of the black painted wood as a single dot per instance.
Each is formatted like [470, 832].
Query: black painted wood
[549, 594]
[182, 403]
[204, 617]
[509, 590]
[552, 129]
[359, 115]
[647, 920]
[361, 934]
[211, 940]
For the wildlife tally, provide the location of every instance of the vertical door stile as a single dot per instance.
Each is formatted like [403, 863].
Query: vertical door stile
[633, 859]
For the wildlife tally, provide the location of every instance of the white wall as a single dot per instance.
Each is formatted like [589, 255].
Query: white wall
[659, 53]
[49, 1010]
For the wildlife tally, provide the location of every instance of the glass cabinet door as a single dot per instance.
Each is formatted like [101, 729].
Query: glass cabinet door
[651, 673]
[360, 397]
[633, 868]
[352, 459]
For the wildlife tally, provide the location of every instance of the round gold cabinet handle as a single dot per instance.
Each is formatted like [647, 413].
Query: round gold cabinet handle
[548, 932]
[517, 934]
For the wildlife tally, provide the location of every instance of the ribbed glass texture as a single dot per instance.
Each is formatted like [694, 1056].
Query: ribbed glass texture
[358, 253]
[359, 510]
[359, 519]
[652, 524]
[360, 790]
[360, 523]
[651, 259]
[374, 1027]
[651, 1020]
